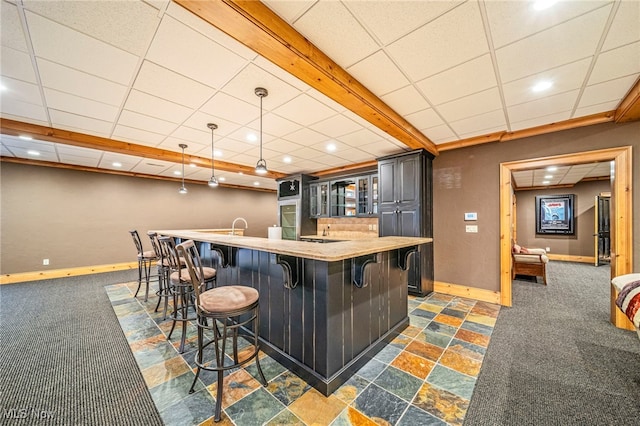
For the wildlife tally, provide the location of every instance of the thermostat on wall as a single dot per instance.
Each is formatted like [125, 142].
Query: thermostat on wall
[471, 216]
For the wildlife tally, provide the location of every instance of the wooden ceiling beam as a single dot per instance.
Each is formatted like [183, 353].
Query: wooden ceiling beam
[629, 108]
[51, 134]
[257, 27]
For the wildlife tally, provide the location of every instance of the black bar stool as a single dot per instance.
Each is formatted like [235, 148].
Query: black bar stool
[164, 269]
[145, 259]
[232, 310]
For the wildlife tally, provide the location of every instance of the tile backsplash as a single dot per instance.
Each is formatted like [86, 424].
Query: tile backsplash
[349, 226]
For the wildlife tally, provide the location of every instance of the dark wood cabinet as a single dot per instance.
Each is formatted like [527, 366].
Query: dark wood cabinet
[405, 203]
[345, 196]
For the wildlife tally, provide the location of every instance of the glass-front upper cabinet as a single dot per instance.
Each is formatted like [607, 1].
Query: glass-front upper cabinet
[367, 193]
[319, 199]
[343, 197]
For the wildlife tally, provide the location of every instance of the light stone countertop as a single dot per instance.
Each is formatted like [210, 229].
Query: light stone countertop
[329, 252]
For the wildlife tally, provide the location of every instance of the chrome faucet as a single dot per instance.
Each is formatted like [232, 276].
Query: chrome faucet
[233, 225]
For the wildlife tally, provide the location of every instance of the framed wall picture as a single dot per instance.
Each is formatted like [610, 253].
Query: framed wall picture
[555, 214]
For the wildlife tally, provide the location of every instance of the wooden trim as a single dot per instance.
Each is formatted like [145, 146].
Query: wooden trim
[51, 134]
[629, 108]
[468, 292]
[259, 28]
[603, 117]
[621, 201]
[29, 162]
[570, 258]
[67, 272]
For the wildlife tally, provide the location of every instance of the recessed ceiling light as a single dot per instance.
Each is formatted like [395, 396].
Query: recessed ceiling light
[217, 153]
[32, 152]
[331, 147]
[287, 160]
[192, 165]
[116, 164]
[545, 182]
[543, 4]
[252, 137]
[240, 173]
[548, 177]
[222, 178]
[177, 173]
[552, 168]
[541, 86]
[25, 137]
[3, 87]
[256, 183]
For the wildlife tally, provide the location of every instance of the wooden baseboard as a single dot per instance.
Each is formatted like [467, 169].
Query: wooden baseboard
[68, 272]
[469, 292]
[569, 258]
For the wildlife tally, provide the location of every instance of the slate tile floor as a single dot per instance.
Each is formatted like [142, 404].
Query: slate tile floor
[425, 376]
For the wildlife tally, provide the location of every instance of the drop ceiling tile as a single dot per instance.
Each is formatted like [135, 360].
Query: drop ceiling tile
[424, 119]
[625, 27]
[231, 109]
[450, 40]
[304, 110]
[186, 17]
[539, 120]
[81, 106]
[569, 42]
[440, 134]
[4, 152]
[406, 100]
[355, 155]
[44, 156]
[151, 105]
[166, 84]
[472, 76]
[380, 148]
[16, 64]
[336, 126]
[307, 153]
[78, 151]
[172, 143]
[513, 20]
[21, 91]
[616, 63]
[199, 121]
[282, 146]
[78, 161]
[481, 130]
[66, 120]
[334, 30]
[152, 166]
[128, 25]
[233, 146]
[243, 86]
[250, 135]
[76, 50]
[187, 52]
[323, 146]
[609, 91]
[193, 136]
[333, 160]
[11, 34]
[359, 138]
[390, 20]
[305, 137]
[488, 100]
[564, 78]
[595, 109]
[275, 125]
[15, 142]
[23, 111]
[69, 80]
[280, 73]
[144, 122]
[158, 4]
[542, 107]
[386, 77]
[289, 10]
[129, 134]
[489, 122]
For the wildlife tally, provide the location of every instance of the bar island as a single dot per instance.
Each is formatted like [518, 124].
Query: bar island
[325, 309]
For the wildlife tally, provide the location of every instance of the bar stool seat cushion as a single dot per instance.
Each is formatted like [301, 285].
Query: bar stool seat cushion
[183, 276]
[228, 298]
[167, 264]
[150, 254]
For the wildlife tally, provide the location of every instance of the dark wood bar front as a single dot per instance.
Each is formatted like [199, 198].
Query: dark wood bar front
[321, 319]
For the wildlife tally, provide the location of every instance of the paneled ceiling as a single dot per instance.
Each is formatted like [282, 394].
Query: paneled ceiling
[152, 74]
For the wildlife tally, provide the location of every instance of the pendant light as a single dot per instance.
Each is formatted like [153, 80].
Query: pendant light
[182, 189]
[213, 182]
[261, 165]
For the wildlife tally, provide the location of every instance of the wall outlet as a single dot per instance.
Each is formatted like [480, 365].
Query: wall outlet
[45, 261]
[472, 228]
[370, 227]
[548, 249]
[375, 227]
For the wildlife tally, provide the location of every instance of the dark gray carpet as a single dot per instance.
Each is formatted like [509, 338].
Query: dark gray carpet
[555, 359]
[63, 356]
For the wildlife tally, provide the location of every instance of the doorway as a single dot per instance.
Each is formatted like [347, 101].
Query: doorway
[621, 206]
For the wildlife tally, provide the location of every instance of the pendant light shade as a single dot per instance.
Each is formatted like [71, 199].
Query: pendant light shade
[261, 165]
[182, 189]
[213, 182]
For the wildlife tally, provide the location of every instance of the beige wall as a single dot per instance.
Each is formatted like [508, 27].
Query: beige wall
[579, 244]
[467, 180]
[79, 218]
